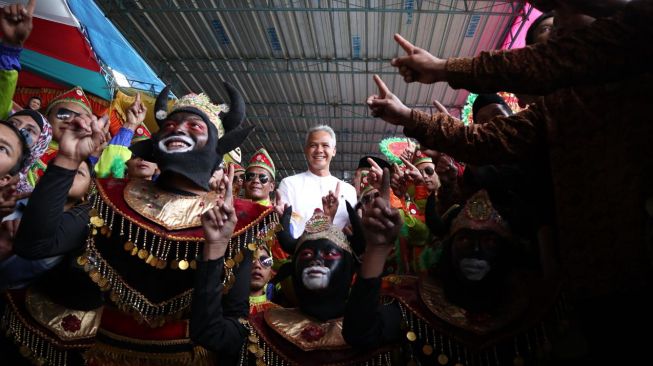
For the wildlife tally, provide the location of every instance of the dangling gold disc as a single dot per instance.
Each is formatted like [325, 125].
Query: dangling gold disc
[183, 264]
[411, 336]
[128, 246]
[427, 349]
[143, 253]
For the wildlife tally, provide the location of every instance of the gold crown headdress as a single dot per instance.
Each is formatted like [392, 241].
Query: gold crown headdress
[319, 227]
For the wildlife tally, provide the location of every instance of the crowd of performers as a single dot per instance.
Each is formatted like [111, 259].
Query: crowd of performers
[523, 238]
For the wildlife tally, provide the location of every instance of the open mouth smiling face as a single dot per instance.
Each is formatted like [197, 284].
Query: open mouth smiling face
[176, 144]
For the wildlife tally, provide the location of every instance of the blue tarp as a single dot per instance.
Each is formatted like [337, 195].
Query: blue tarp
[112, 48]
[65, 73]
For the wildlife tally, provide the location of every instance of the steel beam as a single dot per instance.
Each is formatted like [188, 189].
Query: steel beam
[320, 104]
[120, 7]
[277, 66]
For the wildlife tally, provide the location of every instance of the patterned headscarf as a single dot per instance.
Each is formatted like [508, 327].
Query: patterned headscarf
[35, 153]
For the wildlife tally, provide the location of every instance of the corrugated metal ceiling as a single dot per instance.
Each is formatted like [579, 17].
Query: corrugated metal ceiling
[301, 63]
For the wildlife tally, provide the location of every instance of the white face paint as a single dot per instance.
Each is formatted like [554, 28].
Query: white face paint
[474, 269]
[176, 144]
[316, 277]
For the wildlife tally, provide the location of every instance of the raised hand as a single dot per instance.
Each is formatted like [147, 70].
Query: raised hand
[375, 174]
[381, 225]
[387, 106]
[215, 182]
[440, 107]
[412, 173]
[81, 137]
[219, 222]
[135, 113]
[103, 121]
[330, 203]
[279, 205]
[418, 64]
[16, 23]
[381, 222]
[398, 181]
[446, 168]
[9, 196]
[409, 151]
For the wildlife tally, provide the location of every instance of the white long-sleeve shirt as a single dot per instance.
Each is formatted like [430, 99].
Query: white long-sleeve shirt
[304, 192]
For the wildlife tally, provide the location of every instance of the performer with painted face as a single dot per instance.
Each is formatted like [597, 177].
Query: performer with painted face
[483, 304]
[323, 262]
[149, 241]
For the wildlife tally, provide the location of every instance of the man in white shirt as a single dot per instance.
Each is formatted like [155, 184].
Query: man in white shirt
[304, 191]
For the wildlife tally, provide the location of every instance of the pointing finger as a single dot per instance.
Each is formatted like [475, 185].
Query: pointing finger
[407, 46]
[31, 5]
[383, 89]
[440, 107]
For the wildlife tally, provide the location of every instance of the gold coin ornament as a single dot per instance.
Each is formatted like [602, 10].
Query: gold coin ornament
[174, 264]
[24, 351]
[427, 349]
[193, 264]
[183, 264]
[128, 246]
[97, 221]
[518, 361]
[411, 336]
[95, 275]
[252, 246]
[443, 359]
[81, 260]
[252, 348]
[134, 250]
[229, 263]
[239, 257]
[161, 264]
[143, 253]
[114, 296]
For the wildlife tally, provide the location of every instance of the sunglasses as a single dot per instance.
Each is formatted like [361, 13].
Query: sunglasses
[263, 178]
[66, 114]
[427, 171]
[239, 177]
[265, 261]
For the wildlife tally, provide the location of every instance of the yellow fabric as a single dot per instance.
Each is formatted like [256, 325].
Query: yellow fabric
[172, 211]
[112, 155]
[125, 98]
[8, 80]
[53, 316]
[291, 324]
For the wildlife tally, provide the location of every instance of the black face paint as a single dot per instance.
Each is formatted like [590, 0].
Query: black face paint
[316, 262]
[473, 269]
[474, 253]
[198, 164]
[322, 277]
